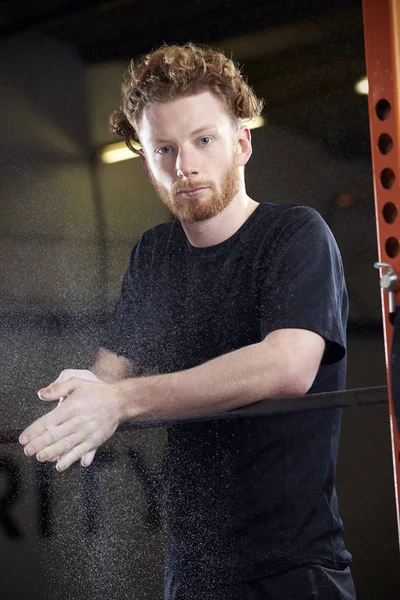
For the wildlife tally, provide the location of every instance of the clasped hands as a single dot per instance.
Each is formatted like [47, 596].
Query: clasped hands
[88, 413]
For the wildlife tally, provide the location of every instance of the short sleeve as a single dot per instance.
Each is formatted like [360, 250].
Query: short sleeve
[302, 281]
[116, 335]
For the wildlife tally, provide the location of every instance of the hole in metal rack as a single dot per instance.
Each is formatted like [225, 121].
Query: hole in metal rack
[385, 143]
[383, 109]
[390, 212]
[388, 178]
[392, 247]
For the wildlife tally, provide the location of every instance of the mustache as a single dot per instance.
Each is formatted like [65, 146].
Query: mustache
[179, 186]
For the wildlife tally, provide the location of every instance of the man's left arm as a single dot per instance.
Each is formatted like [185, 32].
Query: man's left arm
[284, 364]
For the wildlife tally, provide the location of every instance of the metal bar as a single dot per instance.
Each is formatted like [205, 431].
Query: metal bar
[344, 399]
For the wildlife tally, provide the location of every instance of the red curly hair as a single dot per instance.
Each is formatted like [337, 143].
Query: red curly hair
[173, 71]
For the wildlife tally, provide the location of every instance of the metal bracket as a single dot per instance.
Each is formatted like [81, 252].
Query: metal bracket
[390, 283]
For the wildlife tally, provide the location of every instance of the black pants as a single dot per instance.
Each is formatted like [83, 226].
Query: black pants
[309, 582]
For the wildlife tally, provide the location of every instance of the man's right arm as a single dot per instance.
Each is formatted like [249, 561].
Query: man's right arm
[111, 367]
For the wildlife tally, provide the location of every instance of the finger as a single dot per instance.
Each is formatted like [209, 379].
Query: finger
[78, 373]
[64, 375]
[75, 454]
[60, 448]
[61, 400]
[51, 436]
[54, 418]
[57, 389]
[87, 459]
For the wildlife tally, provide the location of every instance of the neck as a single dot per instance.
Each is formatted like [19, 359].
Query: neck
[223, 225]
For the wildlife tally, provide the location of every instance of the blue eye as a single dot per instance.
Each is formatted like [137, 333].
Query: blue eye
[205, 141]
[164, 150]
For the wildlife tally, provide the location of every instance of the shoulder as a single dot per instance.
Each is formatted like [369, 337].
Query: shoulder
[282, 223]
[285, 215]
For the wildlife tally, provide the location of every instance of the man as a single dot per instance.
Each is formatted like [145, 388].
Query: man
[232, 302]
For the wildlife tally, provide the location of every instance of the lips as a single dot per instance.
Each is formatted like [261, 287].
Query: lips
[192, 190]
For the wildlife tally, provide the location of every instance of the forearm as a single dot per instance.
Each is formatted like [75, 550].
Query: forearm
[241, 377]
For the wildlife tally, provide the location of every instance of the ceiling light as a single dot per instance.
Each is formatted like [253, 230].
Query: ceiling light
[361, 86]
[113, 153]
[255, 123]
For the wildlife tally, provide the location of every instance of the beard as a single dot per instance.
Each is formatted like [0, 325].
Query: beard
[191, 209]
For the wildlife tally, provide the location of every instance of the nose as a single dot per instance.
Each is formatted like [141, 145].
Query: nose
[186, 164]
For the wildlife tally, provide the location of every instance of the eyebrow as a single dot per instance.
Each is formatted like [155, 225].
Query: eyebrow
[205, 127]
[195, 132]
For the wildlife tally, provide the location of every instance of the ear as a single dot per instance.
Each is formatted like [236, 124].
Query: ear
[244, 145]
[145, 166]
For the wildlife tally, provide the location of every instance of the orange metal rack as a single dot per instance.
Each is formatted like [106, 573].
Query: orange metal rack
[381, 34]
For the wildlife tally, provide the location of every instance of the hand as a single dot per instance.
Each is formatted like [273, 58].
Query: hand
[87, 416]
[86, 460]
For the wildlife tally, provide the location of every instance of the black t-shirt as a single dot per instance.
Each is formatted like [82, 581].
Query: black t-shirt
[252, 497]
